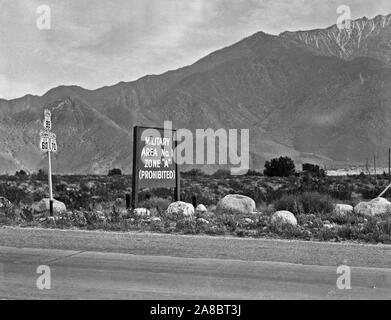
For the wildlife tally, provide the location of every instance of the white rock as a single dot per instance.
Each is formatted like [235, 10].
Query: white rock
[44, 206]
[343, 209]
[234, 203]
[182, 209]
[5, 203]
[248, 221]
[284, 217]
[374, 207]
[201, 208]
[142, 212]
[204, 221]
[156, 219]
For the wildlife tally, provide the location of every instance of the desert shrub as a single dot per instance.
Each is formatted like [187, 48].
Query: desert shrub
[279, 167]
[13, 194]
[287, 231]
[306, 203]
[41, 175]
[161, 204]
[21, 173]
[27, 214]
[316, 203]
[341, 191]
[326, 234]
[287, 202]
[370, 192]
[228, 222]
[377, 229]
[253, 173]
[115, 172]
[222, 173]
[193, 173]
[314, 170]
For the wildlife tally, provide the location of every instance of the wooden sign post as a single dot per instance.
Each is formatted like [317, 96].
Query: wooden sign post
[48, 144]
[153, 161]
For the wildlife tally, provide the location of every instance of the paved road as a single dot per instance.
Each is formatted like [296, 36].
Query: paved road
[104, 266]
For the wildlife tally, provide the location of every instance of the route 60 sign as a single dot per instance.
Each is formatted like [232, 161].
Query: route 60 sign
[44, 144]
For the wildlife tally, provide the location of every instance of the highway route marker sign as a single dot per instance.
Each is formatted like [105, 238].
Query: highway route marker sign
[48, 143]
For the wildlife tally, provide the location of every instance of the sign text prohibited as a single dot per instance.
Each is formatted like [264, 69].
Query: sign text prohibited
[153, 160]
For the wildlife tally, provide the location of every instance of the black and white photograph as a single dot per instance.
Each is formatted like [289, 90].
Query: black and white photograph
[195, 155]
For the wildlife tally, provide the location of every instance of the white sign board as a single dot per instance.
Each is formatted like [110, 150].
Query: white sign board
[47, 122]
[44, 144]
[53, 145]
[47, 134]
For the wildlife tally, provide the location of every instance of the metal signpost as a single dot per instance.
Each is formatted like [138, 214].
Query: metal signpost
[48, 144]
[153, 161]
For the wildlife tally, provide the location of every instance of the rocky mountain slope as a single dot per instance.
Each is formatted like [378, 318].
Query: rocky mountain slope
[322, 96]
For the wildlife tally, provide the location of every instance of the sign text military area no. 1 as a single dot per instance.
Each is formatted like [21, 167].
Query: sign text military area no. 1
[153, 160]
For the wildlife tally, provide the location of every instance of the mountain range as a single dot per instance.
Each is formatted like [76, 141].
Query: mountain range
[320, 96]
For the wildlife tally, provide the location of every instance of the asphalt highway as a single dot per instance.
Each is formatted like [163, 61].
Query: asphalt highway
[96, 265]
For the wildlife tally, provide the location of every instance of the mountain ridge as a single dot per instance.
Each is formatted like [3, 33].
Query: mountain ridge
[286, 89]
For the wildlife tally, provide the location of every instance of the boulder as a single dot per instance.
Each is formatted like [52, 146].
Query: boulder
[5, 203]
[374, 207]
[343, 209]
[201, 209]
[141, 212]
[234, 203]
[248, 221]
[202, 221]
[181, 209]
[43, 206]
[284, 217]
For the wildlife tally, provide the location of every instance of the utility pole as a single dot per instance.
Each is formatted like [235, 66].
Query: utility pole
[389, 165]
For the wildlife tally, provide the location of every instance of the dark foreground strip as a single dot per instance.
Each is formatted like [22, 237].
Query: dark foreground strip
[193, 310]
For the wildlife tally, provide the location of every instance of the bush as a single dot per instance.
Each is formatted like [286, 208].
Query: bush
[287, 202]
[316, 203]
[281, 167]
[20, 173]
[306, 203]
[253, 173]
[314, 170]
[222, 173]
[193, 173]
[115, 172]
[341, 191]
[160, 204]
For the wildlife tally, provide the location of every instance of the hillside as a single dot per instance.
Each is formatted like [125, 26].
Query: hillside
[321, 95]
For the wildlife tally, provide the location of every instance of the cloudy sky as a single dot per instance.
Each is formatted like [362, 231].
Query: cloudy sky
[93, 43]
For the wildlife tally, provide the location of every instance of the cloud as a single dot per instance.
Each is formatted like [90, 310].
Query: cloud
[94, 43]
